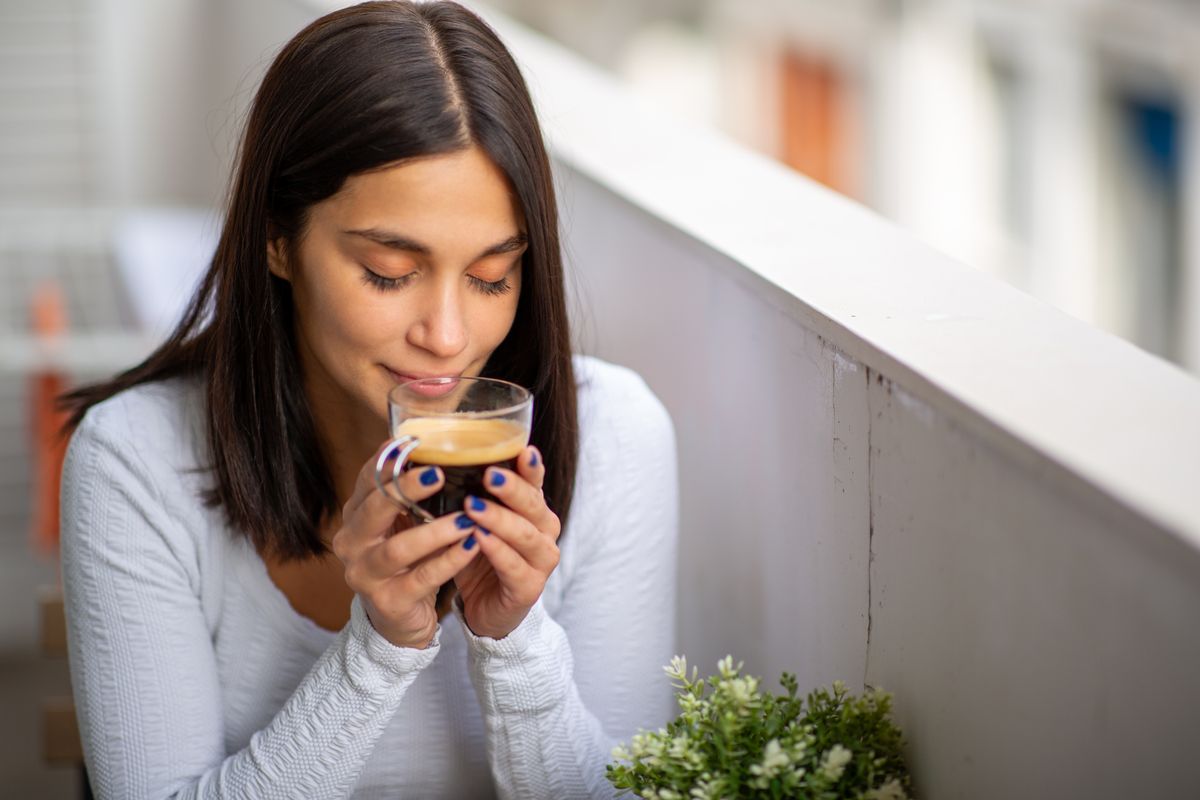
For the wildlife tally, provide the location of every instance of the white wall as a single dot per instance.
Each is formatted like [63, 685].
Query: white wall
[173, 80]
[1041, 642]
[894, 467]
[774, 521]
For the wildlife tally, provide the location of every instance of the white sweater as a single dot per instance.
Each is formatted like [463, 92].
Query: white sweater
[194, 677]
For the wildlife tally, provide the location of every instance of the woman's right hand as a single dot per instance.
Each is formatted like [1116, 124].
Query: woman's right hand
[397, 574]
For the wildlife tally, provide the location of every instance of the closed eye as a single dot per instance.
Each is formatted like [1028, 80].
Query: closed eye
[501, 286]
[385, 284]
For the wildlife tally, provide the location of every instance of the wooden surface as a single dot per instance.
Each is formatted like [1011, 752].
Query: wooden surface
[52, 622]
[60, 732]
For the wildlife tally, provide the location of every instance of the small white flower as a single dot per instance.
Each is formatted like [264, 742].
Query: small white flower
[741, 690]
[726, 668]
[620, 753]
[834, 763]
[775, 758]
[680, 747]
[892, 790]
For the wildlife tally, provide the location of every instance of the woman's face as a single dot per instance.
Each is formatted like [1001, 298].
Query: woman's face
[414, 270]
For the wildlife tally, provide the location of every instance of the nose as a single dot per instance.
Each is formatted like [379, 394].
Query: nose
[440, 327]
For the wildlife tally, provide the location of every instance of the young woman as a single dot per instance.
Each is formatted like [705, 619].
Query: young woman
[248, 616]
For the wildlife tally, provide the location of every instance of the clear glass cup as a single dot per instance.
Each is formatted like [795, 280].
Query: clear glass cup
[461, 425]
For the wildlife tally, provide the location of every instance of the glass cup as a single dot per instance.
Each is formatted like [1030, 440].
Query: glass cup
[461, 425]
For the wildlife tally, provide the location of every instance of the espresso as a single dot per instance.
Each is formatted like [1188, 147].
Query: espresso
[463, 449]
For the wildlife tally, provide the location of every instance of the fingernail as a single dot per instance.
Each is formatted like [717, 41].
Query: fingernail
[462, 522]
[486, 532]
[429, 477]
[533, 458]
[476, 503]
[469, 542]
[497, 479]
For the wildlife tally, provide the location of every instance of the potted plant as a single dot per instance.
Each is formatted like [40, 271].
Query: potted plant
[734, 742]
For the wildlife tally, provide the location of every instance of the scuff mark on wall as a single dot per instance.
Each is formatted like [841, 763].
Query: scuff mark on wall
[851, 460]
[870, 526]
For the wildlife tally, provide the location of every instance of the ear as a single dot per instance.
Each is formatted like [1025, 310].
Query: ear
[276, 258]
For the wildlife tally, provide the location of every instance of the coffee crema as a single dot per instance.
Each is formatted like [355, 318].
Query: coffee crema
[463, 448]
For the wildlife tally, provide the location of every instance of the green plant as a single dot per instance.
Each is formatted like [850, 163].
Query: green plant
[734, 742]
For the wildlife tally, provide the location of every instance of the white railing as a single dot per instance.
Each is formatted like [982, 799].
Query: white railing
[895, 469]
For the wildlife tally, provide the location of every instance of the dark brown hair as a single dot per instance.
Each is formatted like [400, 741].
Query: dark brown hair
[359, 89]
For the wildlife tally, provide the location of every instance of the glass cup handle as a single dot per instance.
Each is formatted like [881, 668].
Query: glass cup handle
[400, 449]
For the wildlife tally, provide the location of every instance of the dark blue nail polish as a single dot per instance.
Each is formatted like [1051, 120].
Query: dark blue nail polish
[533, 459]
[462, 521]
[476, 503]
[429, 477]
[486, 532]
[469, 542]
[497, 479]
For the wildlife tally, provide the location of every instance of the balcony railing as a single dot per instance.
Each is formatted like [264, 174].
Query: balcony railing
[894, 468]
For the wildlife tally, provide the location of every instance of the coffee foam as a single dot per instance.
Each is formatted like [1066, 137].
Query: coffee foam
[454, 442]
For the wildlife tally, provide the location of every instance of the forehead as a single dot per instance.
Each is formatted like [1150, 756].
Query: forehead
[453, 195]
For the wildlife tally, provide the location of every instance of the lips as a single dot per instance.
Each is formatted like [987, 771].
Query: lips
[444, 384]
[401, 377]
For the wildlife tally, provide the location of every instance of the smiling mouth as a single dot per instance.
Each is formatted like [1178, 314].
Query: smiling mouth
[401, 377]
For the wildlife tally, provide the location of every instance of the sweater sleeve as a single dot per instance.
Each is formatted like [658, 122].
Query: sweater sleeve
[559, 693]
[143, 668]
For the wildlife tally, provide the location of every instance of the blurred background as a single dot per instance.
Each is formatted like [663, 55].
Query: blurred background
[1047, 142]
[1051, 143]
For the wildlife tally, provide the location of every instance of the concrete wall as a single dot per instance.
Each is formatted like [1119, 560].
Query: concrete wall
[173, 80]
[1039, 637]
[895, 469]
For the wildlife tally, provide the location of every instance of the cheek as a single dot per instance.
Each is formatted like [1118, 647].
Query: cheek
[511, 301]
[499, 318]
[339, 321]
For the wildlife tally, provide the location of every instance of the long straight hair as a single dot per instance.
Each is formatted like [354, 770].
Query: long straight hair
[359, 89]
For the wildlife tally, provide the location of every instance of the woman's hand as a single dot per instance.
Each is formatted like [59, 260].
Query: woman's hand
[519, 539]
[397, 573]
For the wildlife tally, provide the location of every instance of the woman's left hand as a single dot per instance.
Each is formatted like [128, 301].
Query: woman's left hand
[518, 536]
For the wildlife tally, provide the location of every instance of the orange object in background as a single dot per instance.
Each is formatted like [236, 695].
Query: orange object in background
[48, 448]
[818, 136]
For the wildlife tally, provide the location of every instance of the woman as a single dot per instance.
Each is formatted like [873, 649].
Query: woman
[247, 615]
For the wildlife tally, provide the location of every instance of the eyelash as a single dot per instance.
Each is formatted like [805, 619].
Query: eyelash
[383, 284]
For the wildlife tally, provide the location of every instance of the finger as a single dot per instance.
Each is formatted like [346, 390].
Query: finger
[419, 482]
[414, 485]
[369, 516]
[404, 550]
[518, 532]
[416, 482]
[431, 572]
[523, 497]
[531, 466]
[521, 581]
[364, 484]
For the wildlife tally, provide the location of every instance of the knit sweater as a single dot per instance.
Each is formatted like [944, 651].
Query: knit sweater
[193, 675]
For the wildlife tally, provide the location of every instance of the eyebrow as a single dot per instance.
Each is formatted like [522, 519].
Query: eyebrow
[397, 241]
